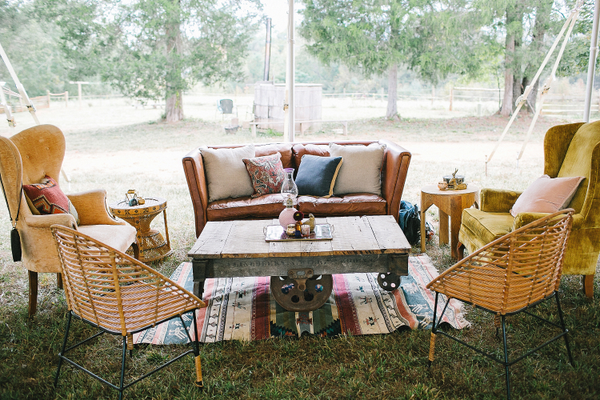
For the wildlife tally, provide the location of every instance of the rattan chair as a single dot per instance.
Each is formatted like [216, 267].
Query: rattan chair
[119, 295]
[514, 272]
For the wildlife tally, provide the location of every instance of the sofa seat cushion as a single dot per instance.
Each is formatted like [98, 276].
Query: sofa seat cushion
[267, 206]
[487, 226]
[348, 205]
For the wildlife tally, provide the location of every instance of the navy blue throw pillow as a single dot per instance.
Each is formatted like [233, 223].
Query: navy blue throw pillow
[316, 175]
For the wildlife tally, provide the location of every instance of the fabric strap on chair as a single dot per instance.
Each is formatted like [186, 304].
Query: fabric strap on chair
[15, 239]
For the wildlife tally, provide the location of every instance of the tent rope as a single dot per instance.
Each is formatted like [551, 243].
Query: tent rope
[20, 88]
[521, 100]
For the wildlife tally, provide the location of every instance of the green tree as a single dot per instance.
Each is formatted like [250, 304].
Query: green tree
[576, 57]
[434, 38]
[156, 49]
[527, 28]
[32, 49]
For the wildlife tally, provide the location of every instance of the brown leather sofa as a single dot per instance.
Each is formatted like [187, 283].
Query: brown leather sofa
[393, 176]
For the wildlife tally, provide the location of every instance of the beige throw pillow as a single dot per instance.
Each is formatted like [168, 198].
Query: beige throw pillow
[226, 174]
[361, 169]
[547, 195]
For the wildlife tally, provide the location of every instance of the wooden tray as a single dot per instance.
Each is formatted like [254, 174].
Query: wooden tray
[275, 233]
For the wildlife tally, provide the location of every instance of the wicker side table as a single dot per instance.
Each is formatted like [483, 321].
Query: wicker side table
[151, 242]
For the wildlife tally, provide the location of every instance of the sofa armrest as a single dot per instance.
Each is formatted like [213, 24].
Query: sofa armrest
[498, 200]
[193, 167]
[91, 207]
[396, 160]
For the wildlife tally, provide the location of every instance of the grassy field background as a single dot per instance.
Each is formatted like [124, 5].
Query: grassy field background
[119, 147]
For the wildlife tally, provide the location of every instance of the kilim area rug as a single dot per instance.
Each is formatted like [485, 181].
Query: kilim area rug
[243, 308]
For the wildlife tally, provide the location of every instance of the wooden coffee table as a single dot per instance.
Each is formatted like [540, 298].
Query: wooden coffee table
[301, 270]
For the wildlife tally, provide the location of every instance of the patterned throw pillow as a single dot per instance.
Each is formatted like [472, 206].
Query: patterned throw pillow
[47, 198]
[266, 174]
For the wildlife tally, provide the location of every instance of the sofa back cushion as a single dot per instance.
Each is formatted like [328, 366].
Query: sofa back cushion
[578, 160]
[226, 173]
[361, 168]
[285, 149]
[300, 150]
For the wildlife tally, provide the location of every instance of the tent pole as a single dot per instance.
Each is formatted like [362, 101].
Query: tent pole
[290, 81]
[589, 89]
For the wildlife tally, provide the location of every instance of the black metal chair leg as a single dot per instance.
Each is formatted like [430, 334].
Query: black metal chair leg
[64, 346]
[506, 368]
[123, 358]
[564, 328]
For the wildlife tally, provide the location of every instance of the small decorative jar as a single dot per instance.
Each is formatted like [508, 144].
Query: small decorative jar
[286, 217]
[305, 230]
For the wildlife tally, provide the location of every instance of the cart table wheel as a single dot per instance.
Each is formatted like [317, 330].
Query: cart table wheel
[388, 281]
[301, 294]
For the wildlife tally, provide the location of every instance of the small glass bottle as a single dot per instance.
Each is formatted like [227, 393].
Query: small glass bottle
[289, 190]
[288, 187]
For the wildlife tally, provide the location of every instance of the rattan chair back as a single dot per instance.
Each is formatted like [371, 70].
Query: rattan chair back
[113, 290]
[514, 271]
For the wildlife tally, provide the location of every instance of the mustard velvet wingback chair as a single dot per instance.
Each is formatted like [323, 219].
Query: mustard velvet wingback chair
[569, 150]
[26, 158]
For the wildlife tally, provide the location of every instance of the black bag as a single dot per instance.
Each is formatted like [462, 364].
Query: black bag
[410, 222]
[15, 244]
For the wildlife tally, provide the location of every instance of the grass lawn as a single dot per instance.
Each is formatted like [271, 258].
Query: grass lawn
[129, 149]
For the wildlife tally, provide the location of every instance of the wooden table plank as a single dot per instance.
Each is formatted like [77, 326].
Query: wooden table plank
[388, 234]
[352, 235]
[212, 240]
[247, 239]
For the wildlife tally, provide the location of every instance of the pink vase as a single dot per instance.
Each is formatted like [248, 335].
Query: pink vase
[286, 217]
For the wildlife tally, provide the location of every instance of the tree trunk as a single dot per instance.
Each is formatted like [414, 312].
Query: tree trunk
[537, 51]
[512, 59]
[508, 76]
[174, 79]
[174, 107]
[392, 107]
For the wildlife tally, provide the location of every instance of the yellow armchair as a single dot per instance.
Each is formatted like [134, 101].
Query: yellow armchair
[569, 150]
[26, 158]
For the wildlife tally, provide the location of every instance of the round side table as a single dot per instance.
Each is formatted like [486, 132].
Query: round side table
[450, 203]
[150, 241]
